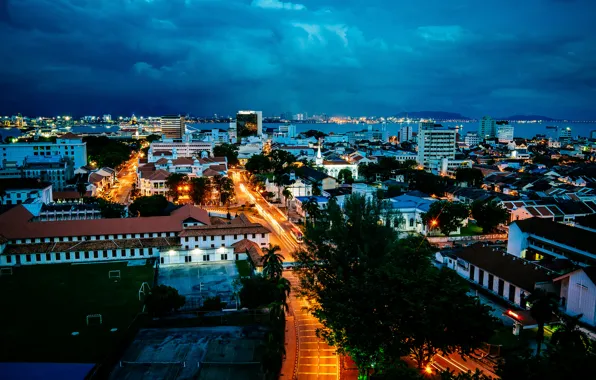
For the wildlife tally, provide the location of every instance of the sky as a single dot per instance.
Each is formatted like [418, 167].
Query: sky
[340, 57]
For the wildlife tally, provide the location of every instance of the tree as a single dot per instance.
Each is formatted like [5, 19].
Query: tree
[311, 206]
[313, 133]
[376, 297]
[107, 209]
[272, 262]
[287, 194]
[257, 291]
[489, 215]
[200, 190]
[163, 299]
[230, 151]
[568, 335]
[345, 176]
[446, 216]
[152, 138]
[258, 163]
[280, 159]
[473, 177]
[543, 306]
[176, 183]
[476, 375]
[212, 304]
[154, 205]
[81, 188]
[284, 288]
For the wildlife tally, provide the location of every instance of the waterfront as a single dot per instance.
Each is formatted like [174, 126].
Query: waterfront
[526, 130]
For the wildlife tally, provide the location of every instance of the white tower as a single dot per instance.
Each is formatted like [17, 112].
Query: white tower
[319, 160]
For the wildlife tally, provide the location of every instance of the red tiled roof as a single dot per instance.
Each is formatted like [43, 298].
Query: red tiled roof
[212, 160]
[162, 161]
[147, 167]
[224, 230]
[210, 173]
[162, 153]
[158, 175]
[56, 195]
[183, 161]
[218, 168]
[15, 224]
[95, 178]
[252, 248]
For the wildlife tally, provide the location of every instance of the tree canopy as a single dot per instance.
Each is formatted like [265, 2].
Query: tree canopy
[472, 176]
[108, 152]
[163, 299]
[176, 183]
[258, 163]
[489, 214]
[230, 151]
[345, 176]
[446, 216]
[381, 298]
[154, 205]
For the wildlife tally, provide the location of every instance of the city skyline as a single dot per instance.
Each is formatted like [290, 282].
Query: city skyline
[204, 57]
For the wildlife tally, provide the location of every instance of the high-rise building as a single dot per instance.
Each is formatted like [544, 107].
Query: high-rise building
[405, 133]
[69, 146]
[173, 126]
[505, 133]
[249, 123]
[436, 144]
[565, 134]
[487, 129]
[232, 132]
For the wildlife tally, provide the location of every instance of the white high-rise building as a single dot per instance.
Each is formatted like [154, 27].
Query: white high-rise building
[436, 144]
[173, 126]
[107, 118]
[565, 134]
[505, 133]
[406, 133]
[69, 146]
[487, 129]
[472, 139]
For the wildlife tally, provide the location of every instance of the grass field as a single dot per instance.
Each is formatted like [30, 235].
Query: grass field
[42, 305]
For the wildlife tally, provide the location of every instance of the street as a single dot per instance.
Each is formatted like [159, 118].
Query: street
[120, 191]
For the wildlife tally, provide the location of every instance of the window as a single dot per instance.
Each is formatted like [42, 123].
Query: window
[254, 236]
[223, 244]
[38, 257]
[224, 256]
[67, 255]
[491, 282]
[481, 277]
[187, 259]
[77, 255]
[96, 254]
[105, 254]
[235, 236]
[246, 236]
[205, 257]
[472, 272]
[8, 259]
[262, 235]
[113, 253]
[161, 260]
[411, 222]
[204, 238]
[132, 252]
[212, 238]
[86, 255]
[501, 287]
[511, 293]
[212, 245]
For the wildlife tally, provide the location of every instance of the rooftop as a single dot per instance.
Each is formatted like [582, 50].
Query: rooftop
[561, 233]
[22, 183]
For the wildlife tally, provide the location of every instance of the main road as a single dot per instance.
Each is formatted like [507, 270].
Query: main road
[126, 177]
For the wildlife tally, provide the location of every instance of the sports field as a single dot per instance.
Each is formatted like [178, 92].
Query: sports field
[42, 305]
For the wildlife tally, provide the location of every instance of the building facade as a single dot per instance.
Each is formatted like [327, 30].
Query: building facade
[505, 133]
[173, 126]
[487, 128]
[68, 146]
[436, 144]
[249, 123]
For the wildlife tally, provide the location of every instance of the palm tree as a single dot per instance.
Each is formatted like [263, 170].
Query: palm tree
[288, 197]
[81, 188]
[568, 336]
[311, 206]
[544, 305]
[284, 288]
[272, 262]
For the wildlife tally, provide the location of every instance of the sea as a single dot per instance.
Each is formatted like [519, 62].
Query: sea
[524, 130]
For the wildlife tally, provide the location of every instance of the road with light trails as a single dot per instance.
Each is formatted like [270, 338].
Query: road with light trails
[127, 176]
[315, 358]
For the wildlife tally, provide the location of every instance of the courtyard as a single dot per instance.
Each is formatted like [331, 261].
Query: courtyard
[198, 281]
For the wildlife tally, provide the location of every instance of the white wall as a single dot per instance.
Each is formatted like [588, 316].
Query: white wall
[581, 297]
[517, 241]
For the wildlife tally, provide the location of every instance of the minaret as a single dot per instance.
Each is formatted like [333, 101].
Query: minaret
[319, 160]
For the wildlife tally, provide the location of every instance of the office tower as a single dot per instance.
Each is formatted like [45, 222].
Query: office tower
[487, 129]
[565, 134]
[249, 123]
[173, 126]
[232, 133]
[405, 133]
[505, 133]
[436, 144]
[425, 124]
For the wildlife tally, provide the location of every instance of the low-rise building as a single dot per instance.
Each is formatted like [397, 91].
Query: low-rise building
[578, 293]
[407, 213]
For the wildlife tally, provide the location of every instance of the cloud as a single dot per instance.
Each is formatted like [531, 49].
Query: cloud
[276, 4]
[346, 57]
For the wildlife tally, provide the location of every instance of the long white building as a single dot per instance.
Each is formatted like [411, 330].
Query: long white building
[187, 235]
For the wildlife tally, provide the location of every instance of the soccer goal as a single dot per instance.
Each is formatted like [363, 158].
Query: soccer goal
[114, 274]
[144, 289]
[5, 271]
[94, 320]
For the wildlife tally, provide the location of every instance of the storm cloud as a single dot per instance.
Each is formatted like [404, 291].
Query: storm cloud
[340, 57]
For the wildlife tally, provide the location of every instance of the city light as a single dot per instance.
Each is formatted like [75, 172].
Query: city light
[428, 369]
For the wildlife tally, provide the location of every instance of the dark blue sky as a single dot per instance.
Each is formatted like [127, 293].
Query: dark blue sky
[375, 57]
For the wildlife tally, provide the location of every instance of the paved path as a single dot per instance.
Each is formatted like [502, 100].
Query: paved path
[315, 358]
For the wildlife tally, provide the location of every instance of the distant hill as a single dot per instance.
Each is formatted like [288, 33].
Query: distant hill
[436, 115]
[527, 118]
